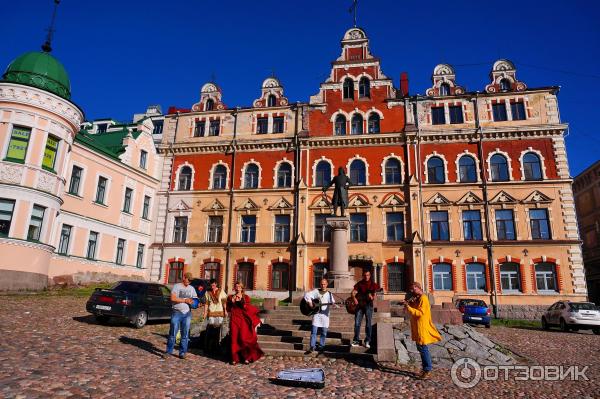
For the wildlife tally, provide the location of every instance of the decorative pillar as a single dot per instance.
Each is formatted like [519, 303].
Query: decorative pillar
[342, 278]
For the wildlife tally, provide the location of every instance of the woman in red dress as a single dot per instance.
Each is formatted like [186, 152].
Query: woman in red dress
[243, 322]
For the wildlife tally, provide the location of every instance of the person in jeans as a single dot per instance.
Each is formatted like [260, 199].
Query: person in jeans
[182, 296]
[422, 330]
[320, 319]
[363, 296]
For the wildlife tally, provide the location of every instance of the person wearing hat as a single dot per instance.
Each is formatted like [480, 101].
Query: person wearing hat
[182, 296]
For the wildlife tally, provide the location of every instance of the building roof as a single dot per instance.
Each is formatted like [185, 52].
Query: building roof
[41, 70]
[109, 143]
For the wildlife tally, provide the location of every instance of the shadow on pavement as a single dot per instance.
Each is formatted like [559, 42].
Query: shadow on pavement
[140, 343]
[396, 370]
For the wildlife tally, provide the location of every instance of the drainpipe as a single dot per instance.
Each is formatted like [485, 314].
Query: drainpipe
[296, 216]
[162, 244]
[231, 192]
[420, 196]
[486, 208]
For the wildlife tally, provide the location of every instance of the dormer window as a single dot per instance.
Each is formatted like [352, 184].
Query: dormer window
[210, 105]
[271, 101]
[364, 88]
[504, 85]
[348, 89]
[444, 89]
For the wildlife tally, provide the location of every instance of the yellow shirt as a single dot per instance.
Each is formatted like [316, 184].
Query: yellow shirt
[422, 330]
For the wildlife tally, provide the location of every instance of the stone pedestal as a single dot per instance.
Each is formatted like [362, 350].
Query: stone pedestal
[343, 281]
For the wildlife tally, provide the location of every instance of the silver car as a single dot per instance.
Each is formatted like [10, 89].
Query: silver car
[572, 316]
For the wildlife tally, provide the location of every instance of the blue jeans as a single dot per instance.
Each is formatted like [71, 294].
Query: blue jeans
[367, 311]
[184, 321]
[425, 357]
[313, 336]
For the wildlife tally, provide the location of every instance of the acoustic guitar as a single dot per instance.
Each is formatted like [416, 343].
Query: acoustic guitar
[363, 301]
[306, 310]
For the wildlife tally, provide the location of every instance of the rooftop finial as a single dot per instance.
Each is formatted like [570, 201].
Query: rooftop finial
[47, 46]
[353, 8]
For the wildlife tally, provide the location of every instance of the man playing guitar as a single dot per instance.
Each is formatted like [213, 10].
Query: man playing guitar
[363, 296]
[321, 318]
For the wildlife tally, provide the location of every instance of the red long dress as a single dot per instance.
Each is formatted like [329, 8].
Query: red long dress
[243, 321]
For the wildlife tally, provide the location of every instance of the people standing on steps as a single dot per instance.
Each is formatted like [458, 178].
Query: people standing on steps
[363, 296]
[320, 319]
[182, 296]
[422, 329]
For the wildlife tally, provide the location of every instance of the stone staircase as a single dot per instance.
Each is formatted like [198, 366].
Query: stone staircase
[286, 332]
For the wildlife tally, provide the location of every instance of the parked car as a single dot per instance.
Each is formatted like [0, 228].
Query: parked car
[475, 311]
[572, 316]
[136, 301]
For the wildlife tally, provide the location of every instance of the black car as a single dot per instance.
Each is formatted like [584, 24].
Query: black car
[136, 301]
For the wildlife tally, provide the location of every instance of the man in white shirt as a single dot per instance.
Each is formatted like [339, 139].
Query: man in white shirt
[181, 298]
[320, 319]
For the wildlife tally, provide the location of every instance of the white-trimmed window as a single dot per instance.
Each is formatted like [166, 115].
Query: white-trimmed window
[322, 173]
[185, 179]
[340, 125]
[219, 179]
[357, 124]
[499, 168]
[251, 176]
[545, 276]
[510, 278]
[348, 89]
[358, 173]
[364, 88]
[435, 170]
[284, 175]
[475, 276]
[442, 276]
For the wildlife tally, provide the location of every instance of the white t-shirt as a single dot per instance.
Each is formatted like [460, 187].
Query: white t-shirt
[182, 292]
[321, 319]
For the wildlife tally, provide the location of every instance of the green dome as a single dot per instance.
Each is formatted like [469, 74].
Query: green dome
[41, 70]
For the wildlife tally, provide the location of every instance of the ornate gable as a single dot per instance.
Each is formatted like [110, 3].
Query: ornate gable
[393, 200]
[210, 91]
[504, 70]
[470, 198]
[215, 206]
[181, 206]
[503, 198]
[438, 200]
[537, 197]
[358, 201]
[271, 87]
[281, 204]
[248, 206]
[444, 74]
[322, 202]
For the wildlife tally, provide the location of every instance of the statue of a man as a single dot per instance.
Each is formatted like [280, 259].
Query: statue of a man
[340, 191]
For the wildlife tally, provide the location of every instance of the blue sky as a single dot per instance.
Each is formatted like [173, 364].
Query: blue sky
[124, 55]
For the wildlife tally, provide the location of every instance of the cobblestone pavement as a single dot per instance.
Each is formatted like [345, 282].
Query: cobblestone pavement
[50, 347]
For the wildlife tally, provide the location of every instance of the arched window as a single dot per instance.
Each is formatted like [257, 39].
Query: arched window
[280, 276]
[357, 124]
[364, 87]
[358, 172]
[251, 176]
[442, 276]
[322, 174]
[510, 278]
[545, 276]
[435, 170]
[392, 171]
[219, 181]
[284, 175]
[245, 274]
[340, 125]
[185, 178]
[475, 277]
[271, 100]
[374, 123]
[348, 89]
[499, 168]
[504, 85]
[532, 167]
[444, 89]
[466, 169]
[210, 104]
[396, 277]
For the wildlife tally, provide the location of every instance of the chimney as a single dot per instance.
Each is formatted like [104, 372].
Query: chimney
[404, 84]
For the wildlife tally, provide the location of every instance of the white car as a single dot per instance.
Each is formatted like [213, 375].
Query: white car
[572, 316]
